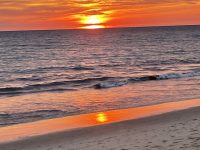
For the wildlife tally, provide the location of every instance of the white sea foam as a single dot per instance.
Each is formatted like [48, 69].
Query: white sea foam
[117, 83]
[111, 84]
[178, 75]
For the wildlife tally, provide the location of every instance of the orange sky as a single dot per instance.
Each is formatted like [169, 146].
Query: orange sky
[64, 14]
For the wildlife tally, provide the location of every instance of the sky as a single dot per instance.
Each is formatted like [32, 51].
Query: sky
[91, 14]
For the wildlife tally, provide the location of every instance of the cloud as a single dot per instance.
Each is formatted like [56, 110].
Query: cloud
[14, 11]
[79, 5]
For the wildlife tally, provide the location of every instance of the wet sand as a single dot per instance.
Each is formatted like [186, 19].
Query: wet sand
[175, 130]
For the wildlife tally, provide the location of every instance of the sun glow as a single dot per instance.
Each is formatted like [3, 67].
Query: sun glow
[101, 117]
[94, 27]
[93, 21]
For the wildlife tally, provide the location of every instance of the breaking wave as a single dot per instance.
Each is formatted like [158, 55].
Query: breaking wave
[145, 78]
[97, 83]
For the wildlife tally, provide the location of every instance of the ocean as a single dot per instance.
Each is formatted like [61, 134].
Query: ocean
[48, 74]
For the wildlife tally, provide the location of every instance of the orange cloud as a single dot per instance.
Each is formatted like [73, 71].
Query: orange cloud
[56, 14]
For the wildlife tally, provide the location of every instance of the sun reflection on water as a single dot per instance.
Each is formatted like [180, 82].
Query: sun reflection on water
[101, 117]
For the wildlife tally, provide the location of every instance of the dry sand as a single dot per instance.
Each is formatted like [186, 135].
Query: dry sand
[171, 131]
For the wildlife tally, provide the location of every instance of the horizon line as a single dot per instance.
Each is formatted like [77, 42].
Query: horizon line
[150, 26]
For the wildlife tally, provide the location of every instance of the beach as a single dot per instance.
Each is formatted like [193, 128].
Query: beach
[99, 75]
[173, 128]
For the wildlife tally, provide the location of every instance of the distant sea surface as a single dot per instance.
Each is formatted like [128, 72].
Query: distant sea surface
[47, 74]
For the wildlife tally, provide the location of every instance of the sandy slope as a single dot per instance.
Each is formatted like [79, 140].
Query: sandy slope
[171, 131]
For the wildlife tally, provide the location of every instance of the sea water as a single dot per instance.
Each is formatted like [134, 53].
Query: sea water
[47, 74]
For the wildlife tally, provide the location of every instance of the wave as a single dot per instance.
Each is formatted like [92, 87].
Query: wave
[178, 75]
[15, 118]
[44, 69]
[110, 84]
[51, 86]
[97, 83]
[145, 78]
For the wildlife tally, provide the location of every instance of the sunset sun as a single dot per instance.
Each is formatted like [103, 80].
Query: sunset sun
[93, 21]
[94, 27]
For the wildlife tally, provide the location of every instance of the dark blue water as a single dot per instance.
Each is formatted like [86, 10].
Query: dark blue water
[33, 63]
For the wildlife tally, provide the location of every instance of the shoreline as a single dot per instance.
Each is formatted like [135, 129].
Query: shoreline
[76, 127]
